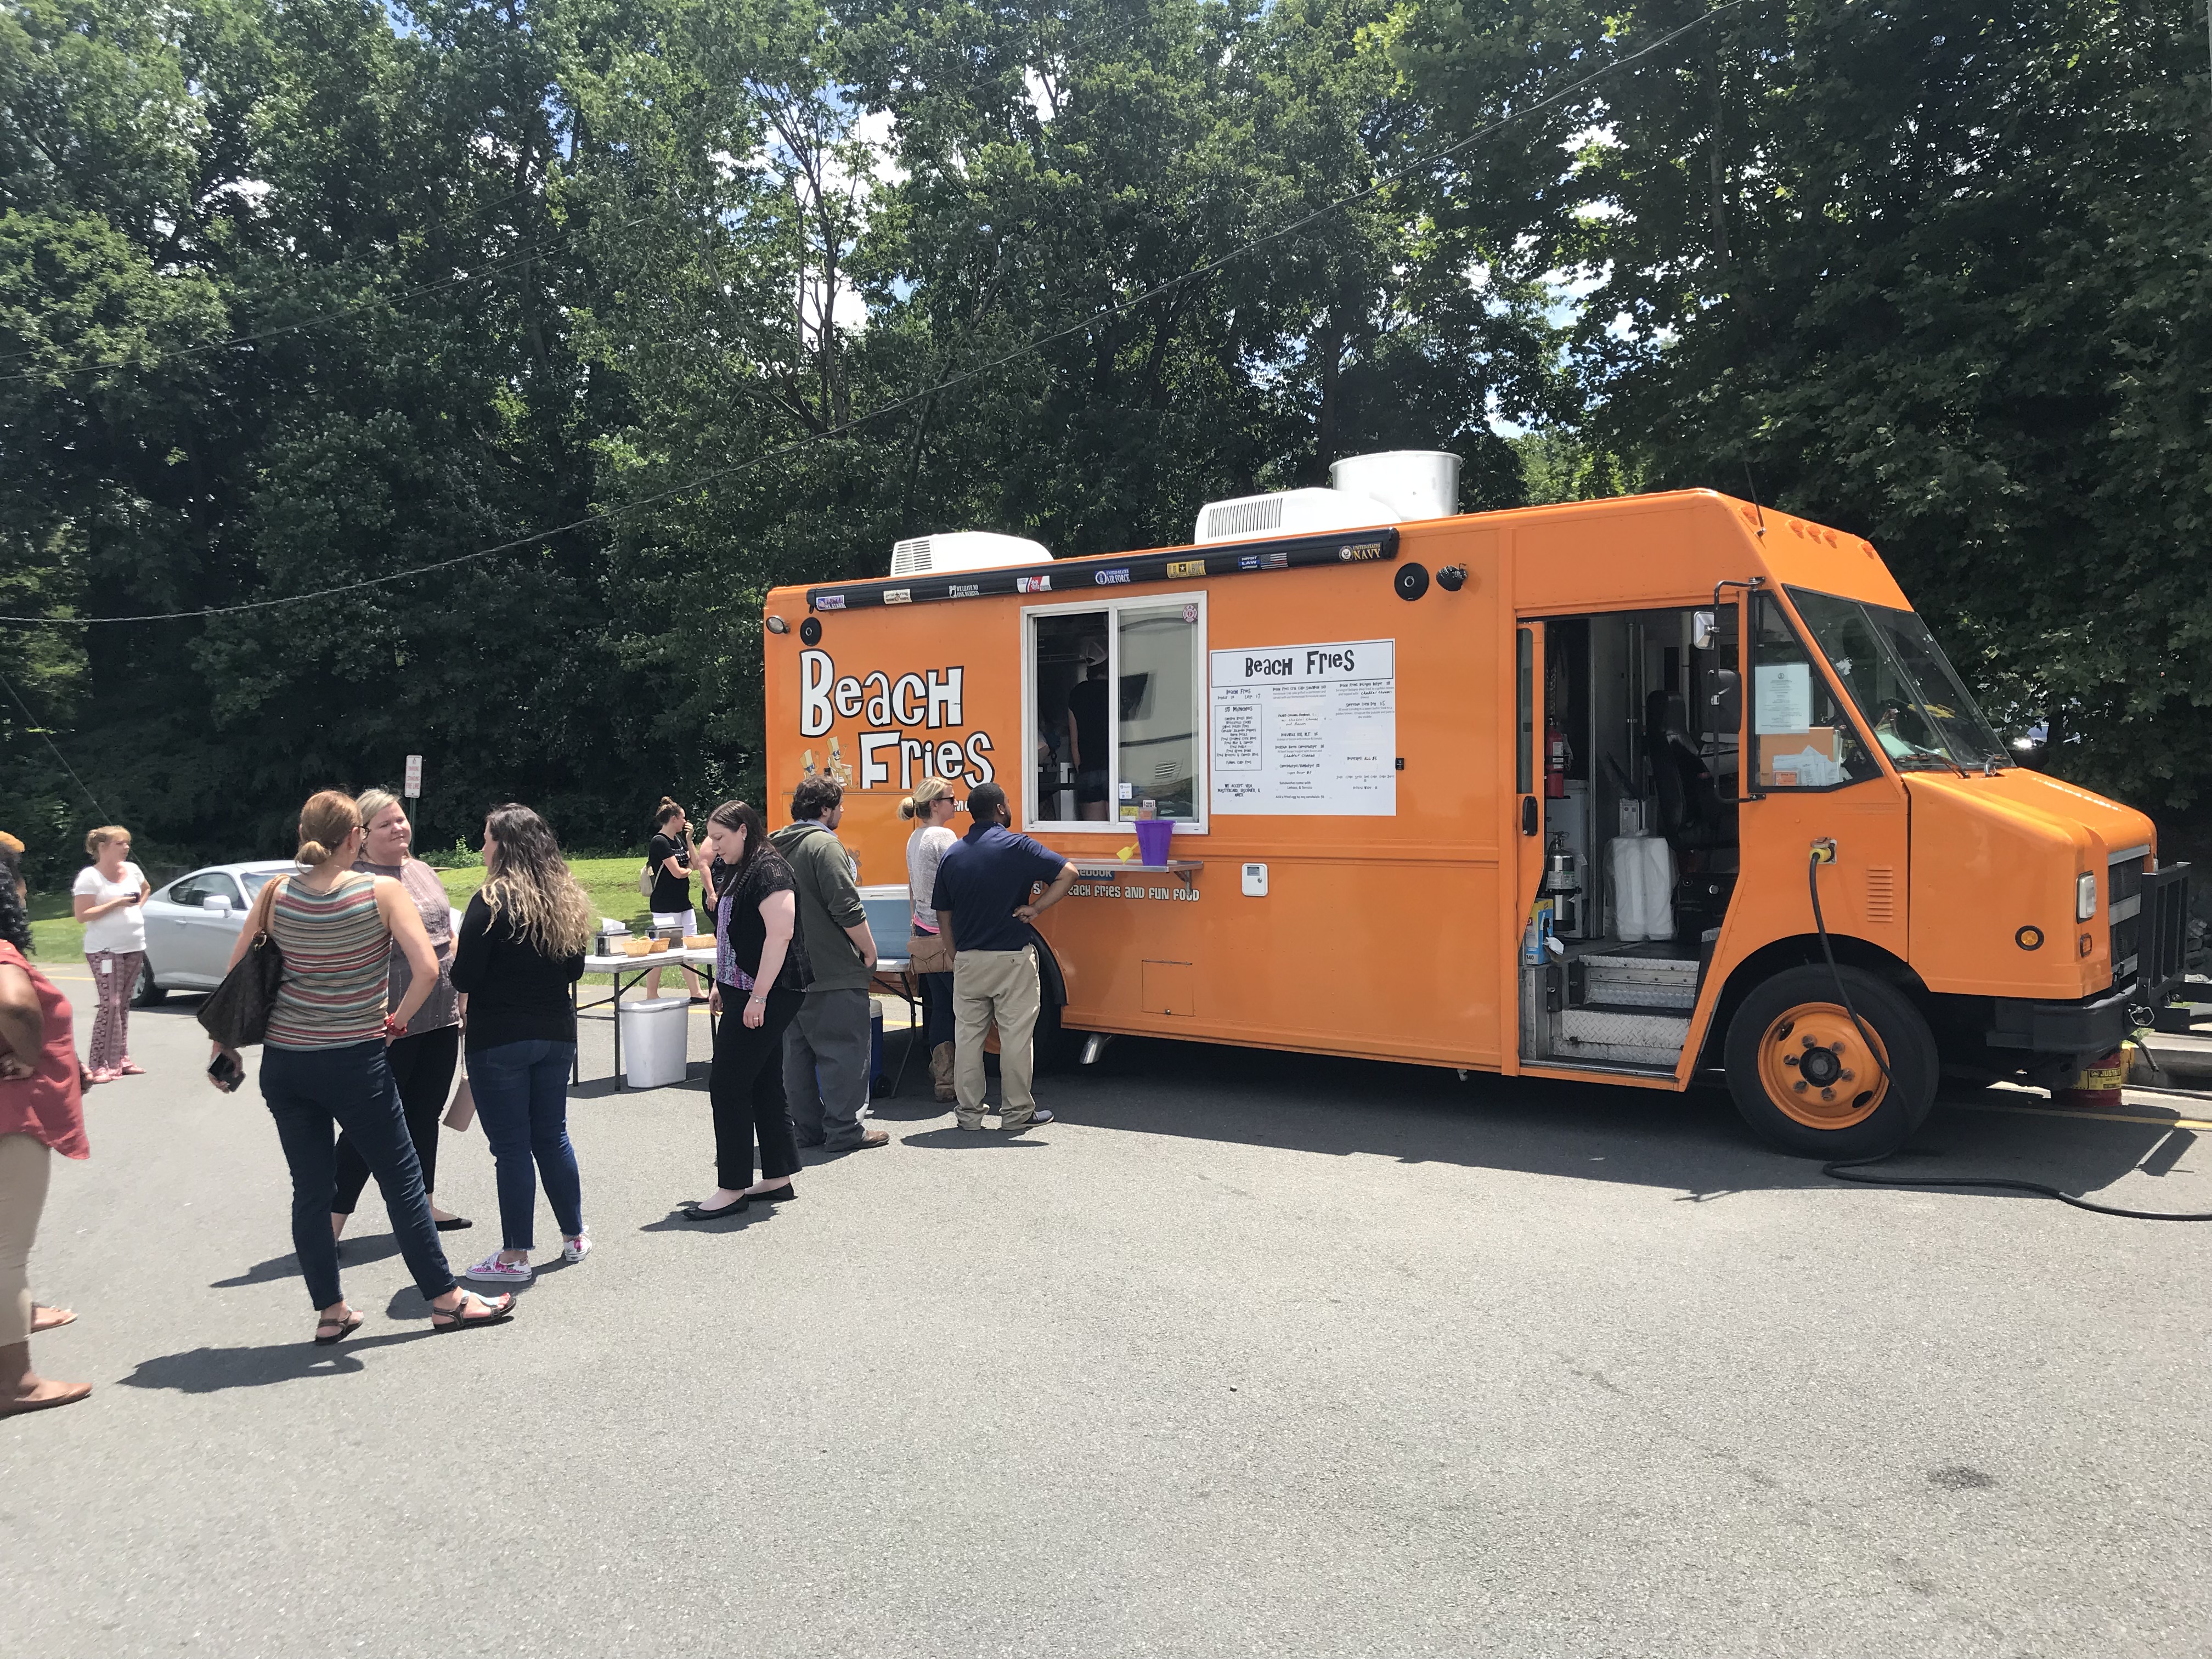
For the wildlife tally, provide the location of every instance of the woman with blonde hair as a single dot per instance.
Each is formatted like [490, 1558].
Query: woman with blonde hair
[107, 896]
[422, 1060]
[323, 1064]
[932, 808]
[521, 948]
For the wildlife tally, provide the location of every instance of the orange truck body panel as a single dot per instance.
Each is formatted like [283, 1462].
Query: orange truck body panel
[1398, 937]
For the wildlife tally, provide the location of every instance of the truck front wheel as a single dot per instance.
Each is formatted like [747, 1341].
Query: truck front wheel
[1802, 1077]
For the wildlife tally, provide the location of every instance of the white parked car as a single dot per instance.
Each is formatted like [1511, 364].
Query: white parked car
[191, 924]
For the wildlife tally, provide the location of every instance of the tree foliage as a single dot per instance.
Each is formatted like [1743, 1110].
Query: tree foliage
[670, 300]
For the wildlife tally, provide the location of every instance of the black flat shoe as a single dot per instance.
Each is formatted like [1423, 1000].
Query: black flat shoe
[695, 1213]
[774, 1194]
[453, 1224]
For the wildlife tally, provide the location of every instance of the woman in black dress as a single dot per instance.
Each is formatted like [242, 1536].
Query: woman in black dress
[760, 976]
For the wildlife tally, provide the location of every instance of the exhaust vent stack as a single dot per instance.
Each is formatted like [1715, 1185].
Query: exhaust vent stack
[1413, 483]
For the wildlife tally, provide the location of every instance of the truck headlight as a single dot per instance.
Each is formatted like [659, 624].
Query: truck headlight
[2085, 897]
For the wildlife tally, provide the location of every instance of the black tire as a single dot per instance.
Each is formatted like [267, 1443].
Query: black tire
[1051, 1048]
[146, 994]
[1801, 1003]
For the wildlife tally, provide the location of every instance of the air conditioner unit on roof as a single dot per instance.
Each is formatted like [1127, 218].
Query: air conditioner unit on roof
[964, 550]
[1288, 512]
[1365, 489]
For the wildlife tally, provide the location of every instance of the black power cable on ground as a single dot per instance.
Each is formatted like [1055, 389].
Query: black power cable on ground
[1842, 1168]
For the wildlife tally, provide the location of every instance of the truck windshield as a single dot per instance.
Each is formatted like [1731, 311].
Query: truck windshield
[1907, 690]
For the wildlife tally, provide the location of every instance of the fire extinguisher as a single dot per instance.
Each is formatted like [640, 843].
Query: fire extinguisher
[1555, 763]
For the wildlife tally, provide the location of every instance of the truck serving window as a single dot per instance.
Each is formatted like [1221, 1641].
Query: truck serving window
[1804, 740]
[1116, 701]
[1906, 691]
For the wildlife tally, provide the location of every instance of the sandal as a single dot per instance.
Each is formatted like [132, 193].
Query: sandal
[70, 1394]
[339, 1329]
[457, 1317]
[61, 1316]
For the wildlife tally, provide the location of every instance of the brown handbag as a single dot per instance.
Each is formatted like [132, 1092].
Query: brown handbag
[927, 953]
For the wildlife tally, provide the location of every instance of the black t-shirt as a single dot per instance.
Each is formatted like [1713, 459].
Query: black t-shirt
[742, 930]
[670, 893]
[515, 994]
[1087, 703]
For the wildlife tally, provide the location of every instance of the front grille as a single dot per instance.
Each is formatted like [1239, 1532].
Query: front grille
[2123, 893]
[2164, 932]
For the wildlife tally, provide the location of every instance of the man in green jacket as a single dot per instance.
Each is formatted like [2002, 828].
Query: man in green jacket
[826, 1048]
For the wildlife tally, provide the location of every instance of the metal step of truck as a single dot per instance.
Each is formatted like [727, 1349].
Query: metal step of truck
[1640, 982]
[1624, 1033]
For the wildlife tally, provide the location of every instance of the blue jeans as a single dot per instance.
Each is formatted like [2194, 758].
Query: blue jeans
[521, 1091]
[314, 1092]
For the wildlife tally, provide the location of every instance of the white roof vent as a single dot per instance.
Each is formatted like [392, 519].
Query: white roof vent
[1364, 491]
[964, 550]
[1289, 513]
[1413, 484]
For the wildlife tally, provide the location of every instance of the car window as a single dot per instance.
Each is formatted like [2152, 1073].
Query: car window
[221, 885]
[189, 891]
[257, 879]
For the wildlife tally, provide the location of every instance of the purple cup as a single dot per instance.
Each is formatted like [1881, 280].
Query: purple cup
[1152, 839]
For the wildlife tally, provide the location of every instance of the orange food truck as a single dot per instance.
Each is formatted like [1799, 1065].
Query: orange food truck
[1653, 790]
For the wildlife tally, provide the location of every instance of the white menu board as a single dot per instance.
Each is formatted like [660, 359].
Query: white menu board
[1306, 729]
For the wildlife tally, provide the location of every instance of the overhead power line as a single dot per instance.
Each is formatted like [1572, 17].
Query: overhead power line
[600, 516]
[17, 697]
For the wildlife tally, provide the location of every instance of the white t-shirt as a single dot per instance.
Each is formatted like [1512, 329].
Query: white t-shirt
[925, 851]
[118, 930]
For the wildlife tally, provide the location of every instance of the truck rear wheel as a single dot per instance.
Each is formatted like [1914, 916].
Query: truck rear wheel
[1797, 1068]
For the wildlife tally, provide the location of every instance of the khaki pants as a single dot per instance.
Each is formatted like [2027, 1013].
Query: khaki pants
[25, 1164]
[988, 985]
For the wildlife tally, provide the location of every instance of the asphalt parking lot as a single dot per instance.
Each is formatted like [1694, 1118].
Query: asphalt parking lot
[1247, 1354]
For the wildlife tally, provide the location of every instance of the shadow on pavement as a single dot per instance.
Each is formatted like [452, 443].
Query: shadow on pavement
[1692, 1143]
[676, 1221]
[209, 1371]
[359, 1252]
[963, 1140]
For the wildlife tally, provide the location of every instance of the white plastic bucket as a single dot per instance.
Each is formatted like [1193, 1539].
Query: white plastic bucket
[1643, 870]
[656, 1040]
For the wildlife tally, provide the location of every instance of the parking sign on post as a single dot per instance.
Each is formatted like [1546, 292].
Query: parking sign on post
[413, 789]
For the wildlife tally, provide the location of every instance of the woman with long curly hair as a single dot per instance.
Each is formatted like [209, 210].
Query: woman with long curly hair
[521, 947]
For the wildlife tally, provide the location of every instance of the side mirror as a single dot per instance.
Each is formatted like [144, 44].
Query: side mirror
[1701, 629]
[217, 902]
[1723, 699]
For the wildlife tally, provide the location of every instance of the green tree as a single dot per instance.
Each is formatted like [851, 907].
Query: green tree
[1936, 273]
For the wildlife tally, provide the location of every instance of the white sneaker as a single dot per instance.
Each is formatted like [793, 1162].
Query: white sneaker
[576, 1249]
[492, 1271]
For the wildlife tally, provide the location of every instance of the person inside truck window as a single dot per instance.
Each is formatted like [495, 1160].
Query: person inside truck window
[1087, 732]
[1902, 733]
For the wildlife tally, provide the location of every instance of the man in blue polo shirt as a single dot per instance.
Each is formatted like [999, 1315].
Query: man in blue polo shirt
[982, 904]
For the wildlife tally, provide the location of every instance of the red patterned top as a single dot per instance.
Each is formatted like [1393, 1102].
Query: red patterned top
[49, 1105]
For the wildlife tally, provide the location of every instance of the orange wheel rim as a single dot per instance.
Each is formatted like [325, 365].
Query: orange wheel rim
[1815, 1067]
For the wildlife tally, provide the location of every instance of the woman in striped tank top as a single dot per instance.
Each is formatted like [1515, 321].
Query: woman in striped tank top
[323, 1066]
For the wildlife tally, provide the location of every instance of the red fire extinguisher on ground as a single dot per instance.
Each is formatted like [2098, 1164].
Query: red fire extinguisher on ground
[1555, 763]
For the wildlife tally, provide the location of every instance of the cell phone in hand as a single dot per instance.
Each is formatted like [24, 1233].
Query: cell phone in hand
[226, 1072]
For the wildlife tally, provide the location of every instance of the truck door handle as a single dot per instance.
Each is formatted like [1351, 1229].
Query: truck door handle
[1529, 822]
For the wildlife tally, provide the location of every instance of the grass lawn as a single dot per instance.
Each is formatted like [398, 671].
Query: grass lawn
[57, 936]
